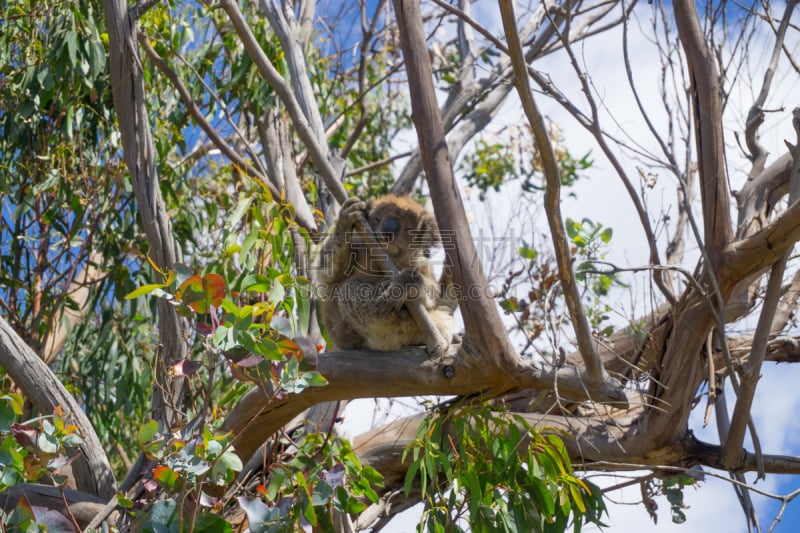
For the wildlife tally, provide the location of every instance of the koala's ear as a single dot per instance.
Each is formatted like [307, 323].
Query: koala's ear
[427, 224]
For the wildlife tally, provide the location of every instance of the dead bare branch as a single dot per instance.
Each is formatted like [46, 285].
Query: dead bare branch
[751, 371]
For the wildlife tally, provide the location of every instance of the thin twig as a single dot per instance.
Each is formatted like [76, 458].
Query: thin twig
[201, 120]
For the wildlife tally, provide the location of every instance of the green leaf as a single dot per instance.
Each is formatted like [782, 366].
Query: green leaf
[276, 292]
[243, 204]
[47, 443]
[10, 411]
[71, 39]
[411, 475]
[231, 461]
[162, 518]
[211, 523]
[147, 432]
[144, 289]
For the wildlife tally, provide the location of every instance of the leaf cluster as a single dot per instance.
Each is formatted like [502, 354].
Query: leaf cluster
[492, 471]
[36, 449]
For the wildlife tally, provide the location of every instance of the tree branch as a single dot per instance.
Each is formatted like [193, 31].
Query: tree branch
[481, 319]
[408, 372]
[760, 250]
[305, 119]
[706, 96]
[127, 83]
[82, 505]
[733, 452]
[75, 313]
[246, 166]
[552, 199]
[755, 117]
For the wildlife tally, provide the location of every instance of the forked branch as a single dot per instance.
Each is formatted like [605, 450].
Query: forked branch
[552, 198]
[751, 371]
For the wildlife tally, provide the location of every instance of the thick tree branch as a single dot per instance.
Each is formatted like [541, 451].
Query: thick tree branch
[82, 505]
[595, 445]
[127, 83]
[706, 96]
[410, 372]
[481, 318]
[762, 249]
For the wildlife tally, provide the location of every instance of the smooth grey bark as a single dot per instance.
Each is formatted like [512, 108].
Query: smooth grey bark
[127, 82]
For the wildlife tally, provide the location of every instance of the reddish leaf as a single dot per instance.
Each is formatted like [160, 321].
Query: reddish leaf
[201, 294]
[288, 347]
[26, 435]
[191, 293]
[214, 285]
[184, 368]
[205, 329]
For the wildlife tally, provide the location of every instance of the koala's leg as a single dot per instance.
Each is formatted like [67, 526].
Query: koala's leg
[368, 297]
[340, 330]
[448, 292]
[363, 299]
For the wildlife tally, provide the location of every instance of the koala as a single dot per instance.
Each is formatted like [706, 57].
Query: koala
[363, 304]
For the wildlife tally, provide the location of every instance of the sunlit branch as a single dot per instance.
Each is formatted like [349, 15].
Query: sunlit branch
[304, 127]
[481, 318]
[751, 371]
[552, 200]
[706, 95]
[91, 468]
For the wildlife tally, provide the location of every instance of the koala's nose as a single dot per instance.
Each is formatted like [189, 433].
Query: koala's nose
[389, 230]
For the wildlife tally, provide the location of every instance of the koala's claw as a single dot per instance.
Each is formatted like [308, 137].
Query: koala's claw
[353, 211]
[410, 276]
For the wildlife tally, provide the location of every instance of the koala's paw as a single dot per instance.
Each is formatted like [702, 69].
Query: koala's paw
[412, 283]
[353, 211]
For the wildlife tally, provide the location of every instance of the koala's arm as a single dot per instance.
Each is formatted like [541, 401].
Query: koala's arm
[336, 255]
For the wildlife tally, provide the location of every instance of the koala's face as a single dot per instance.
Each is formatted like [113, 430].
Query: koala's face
[406, 230]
